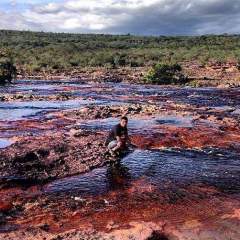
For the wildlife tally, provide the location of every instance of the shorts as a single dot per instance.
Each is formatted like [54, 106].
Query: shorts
[112, 144]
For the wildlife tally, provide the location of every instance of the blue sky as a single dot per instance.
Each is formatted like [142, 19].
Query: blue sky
[10, 5]
[144, 17]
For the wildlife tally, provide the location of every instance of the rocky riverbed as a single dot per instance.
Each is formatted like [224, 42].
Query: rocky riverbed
[56, 181]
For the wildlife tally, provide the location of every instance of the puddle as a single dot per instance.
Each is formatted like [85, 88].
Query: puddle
[20, 110]
[175, 121]
[166, 170]
[4, 142]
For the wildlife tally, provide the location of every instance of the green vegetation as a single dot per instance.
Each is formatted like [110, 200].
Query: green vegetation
[38, 51]
[7, 69]
[165, 74]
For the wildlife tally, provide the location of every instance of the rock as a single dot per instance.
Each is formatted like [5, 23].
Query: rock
[83, 110]
[5, 205]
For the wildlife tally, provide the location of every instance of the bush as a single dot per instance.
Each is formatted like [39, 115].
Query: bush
[163, 74]
[7, 69]
[65, 51]
[119, 60]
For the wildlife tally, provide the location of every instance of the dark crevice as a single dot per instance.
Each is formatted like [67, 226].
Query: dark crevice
[156, 235]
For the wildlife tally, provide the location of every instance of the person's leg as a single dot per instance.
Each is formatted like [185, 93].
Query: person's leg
[112, 144]
[117, 147]
[112, 147]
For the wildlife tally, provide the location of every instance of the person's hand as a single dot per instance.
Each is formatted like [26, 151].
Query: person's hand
[119, 144]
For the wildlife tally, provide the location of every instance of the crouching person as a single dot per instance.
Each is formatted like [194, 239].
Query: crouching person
[118, 138]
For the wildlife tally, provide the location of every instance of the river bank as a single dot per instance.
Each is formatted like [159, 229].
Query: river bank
[212, 74]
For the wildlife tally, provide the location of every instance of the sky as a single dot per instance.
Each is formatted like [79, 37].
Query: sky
[139, 17]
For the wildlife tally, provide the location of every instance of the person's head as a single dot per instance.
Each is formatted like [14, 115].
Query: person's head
[124, 121]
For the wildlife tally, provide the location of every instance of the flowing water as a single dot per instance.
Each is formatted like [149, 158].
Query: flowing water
[107, 93]
[164, 169]
[169, 172]
[158, 167]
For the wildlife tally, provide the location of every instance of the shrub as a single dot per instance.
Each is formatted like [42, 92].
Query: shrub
[119, 60]
[64, 51]
[165, 74]
[7, 69]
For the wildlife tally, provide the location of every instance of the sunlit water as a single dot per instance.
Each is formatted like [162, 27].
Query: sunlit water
[23, 110]
[4, 142]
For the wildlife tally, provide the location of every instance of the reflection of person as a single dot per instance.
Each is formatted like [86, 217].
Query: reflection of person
[118, 176]
[118, 137]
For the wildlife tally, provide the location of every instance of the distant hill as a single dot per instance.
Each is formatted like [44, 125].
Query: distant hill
[36, 51]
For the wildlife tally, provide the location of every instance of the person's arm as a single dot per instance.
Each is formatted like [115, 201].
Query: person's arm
[118, 139]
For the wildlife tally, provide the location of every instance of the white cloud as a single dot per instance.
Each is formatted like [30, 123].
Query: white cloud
[124, 16]
[14, 21]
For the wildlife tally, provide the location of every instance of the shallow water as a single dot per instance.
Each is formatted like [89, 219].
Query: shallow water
[40, 87]
[139, 125]
[158, 175]
[23, 110]
[4, 142]
[212, 97]
[164, 170]
[111, 93]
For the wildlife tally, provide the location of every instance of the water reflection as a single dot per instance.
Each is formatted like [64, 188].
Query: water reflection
[118, 176]
[98, 181]
[165, 169]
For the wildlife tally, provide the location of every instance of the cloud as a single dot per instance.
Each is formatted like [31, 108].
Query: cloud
[146, 17]
[13, 21]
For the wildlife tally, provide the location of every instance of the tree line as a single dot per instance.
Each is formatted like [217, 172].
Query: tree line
[35, 51]
[39, 51]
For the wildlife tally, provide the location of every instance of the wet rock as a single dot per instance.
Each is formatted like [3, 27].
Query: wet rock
[57, 155]
[100, 112]
[5, 205]
[2, 98]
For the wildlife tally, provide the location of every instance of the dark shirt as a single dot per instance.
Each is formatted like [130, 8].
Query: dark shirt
[117, 131]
